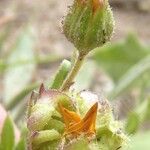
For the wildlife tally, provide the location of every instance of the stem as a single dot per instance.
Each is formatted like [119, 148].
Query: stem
[74, 71]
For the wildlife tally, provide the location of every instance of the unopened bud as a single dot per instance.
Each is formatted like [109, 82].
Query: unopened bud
[89, 24]
[45, 107]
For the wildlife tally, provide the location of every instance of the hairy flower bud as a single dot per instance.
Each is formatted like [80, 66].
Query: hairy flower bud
[45, 107]
[89, 24]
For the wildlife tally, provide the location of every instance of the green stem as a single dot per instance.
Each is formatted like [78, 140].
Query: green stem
[74, 71]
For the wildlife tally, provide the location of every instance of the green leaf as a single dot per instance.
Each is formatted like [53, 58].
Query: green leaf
[61, 74]
[117, 58]
[37, 60]
[2, 65]
[21, 145]
[139, 115]
[16, 78]
[133, 123]
[85, 76]
[7, 136]
[131, 76]
[140, 141]
[15, 100]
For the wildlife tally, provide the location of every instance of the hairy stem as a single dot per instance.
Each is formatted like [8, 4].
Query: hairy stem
[74, 71]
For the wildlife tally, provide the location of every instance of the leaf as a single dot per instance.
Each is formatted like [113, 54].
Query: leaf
[133, 123]
[140, 141]
[61, 74]
[2, 65]
[16, 78]
[85, 76]
[131, 76]
[15, 100]
[7, 136]
[21, 145]
[117, 58]
[138, 116]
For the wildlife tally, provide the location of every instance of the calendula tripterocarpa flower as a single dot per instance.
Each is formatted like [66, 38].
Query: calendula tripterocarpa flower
[75, 125]
[56, 121]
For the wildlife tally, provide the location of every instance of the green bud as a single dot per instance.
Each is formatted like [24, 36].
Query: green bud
[41, 114]
[44, 121]
[77, 144]
[89, 24]
[55, 124]
[45, 136]
[46, 107]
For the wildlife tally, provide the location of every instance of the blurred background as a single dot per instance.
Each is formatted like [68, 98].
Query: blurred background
[32, 46]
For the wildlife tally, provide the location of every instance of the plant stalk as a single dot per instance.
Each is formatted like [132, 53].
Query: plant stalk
[73, 73]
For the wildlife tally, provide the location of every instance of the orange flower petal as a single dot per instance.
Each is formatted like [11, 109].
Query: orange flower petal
[78, 126]
[69, 117]
[87, 124]
[97, 4]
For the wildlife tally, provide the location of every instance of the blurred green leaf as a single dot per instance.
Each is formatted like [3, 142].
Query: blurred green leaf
[117, 58]
[85, 76]
[140, 141]
[7, 136]
[61, 74]
[21, 145]
[147, 113]
[133, 123]
[139, 115]
[2, 65]
[15, 100]
[132, 75]
[143, 110]
[15, 79]
[37, 60]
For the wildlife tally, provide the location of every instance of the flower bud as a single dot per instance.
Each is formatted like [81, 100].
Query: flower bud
[89, 24]
[45, 107]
